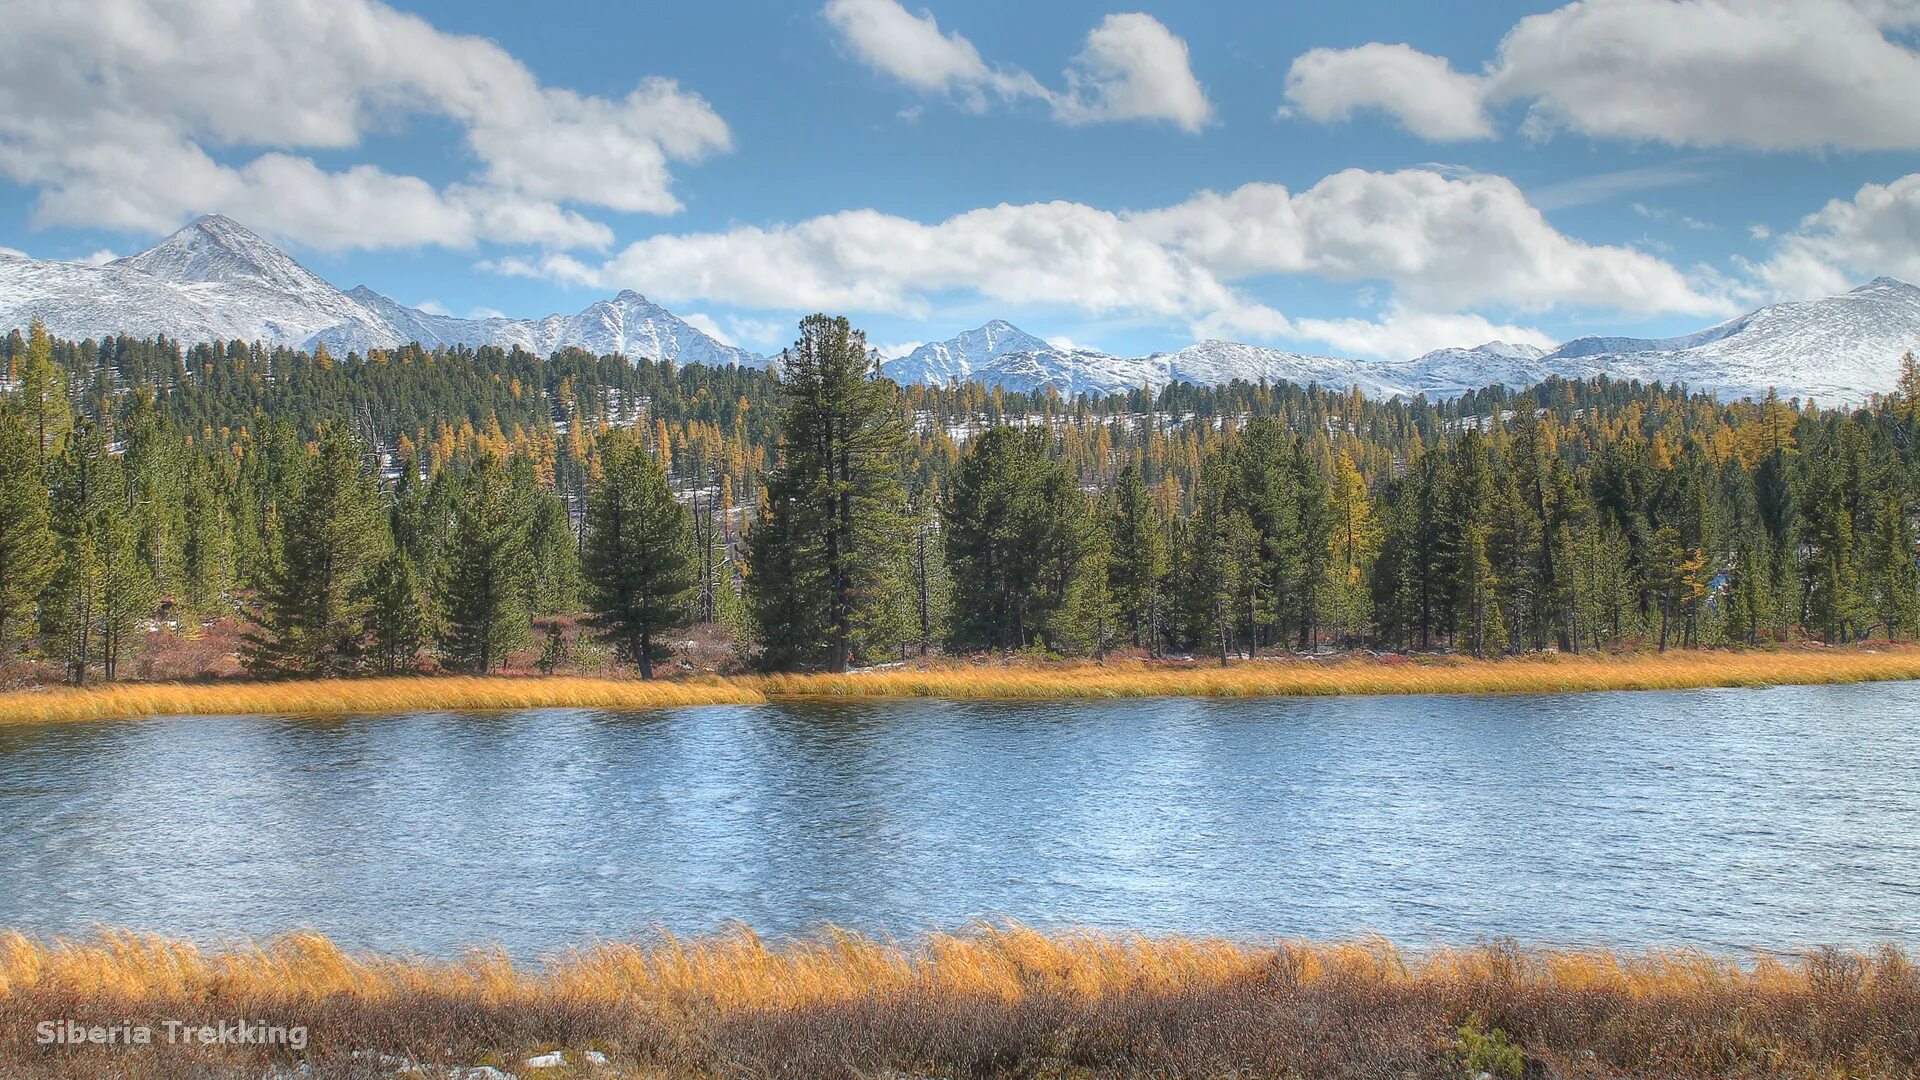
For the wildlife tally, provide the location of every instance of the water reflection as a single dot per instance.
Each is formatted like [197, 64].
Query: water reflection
[1722, 819]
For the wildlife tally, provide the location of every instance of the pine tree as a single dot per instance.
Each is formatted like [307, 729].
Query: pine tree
[26, 541]
[1355, 546]
[927, 574]
[43, 390]
[641, 573]
[1090, 612]
[827, 554]
[396, 614]
[481, 594]
[1013, 537]
[312, 613]
[1139, 564]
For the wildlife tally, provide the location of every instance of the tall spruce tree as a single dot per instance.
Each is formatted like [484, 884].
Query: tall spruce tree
[396, 614]
[642, 576]
[1013, 521]
[26, 541]
[826, 555]
[1139, 563]
[312, 612]
[481, 593]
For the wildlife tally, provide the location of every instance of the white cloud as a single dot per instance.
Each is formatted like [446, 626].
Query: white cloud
[1402, 334]
[120, 115]
[764, 333]
[1875, 232]
[1443, 242]
[1134, 68]
[99, 258]
[1424, 92]
[1668, 216]
[1131, 68]
[704, 323]
[1607, 186]
[897, 349]
[1440, 244]
[1766, 74]
[912, 49]
[432, 307]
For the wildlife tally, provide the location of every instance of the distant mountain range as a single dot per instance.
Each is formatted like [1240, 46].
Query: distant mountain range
[1837, 349]
[216, 281]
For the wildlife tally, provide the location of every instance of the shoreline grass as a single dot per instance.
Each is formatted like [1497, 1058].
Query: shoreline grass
[1020, 681]
[990, 1001]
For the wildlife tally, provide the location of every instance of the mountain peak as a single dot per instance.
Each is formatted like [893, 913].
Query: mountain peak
[214, 247]
[1884, 282]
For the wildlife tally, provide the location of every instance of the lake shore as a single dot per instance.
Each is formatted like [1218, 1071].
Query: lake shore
[988, 1001]
[1386, 674]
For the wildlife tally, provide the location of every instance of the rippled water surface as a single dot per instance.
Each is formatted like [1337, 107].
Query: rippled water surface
[1725, 819]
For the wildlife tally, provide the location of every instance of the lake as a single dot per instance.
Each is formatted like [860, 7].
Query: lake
[1721, 819]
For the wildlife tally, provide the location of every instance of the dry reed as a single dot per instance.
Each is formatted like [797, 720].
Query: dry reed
[339, 696]
[991, 1001]
[983, 682]
[1546, 673]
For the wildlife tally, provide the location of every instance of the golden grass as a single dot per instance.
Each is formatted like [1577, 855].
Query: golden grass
[1548, 673]
[340, 696]
[1081, 680]
[741, 970]
[991, 1001]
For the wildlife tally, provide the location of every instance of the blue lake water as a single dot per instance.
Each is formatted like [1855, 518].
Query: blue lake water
[1721, 819]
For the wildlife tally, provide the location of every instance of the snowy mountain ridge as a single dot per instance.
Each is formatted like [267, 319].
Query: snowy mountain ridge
[1835, 349]
[216, 281]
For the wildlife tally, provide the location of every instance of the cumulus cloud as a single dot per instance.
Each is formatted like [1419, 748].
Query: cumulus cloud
[1400, 334]
[1876, 231]
[1440, 244]
[1423, 92]
[1766, 74]
[704, 323]
[1444, 242]
[912, 49]
[1134, 68]
[1131, 68]
[120, 115]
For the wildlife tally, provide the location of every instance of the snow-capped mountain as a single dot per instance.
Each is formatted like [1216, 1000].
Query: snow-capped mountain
[1837, 350]
[1445, 373]
[957, 360]
[216, 281]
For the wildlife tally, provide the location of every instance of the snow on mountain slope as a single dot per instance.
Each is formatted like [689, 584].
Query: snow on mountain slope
[1836, 349]
[939, 363]
[216, 281]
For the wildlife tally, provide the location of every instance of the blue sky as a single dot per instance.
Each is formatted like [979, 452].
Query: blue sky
[1369, 179]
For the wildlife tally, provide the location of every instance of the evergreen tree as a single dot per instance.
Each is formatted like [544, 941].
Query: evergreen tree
[641, 572]
[481, 594]
[1013, 537]
[1139, 563]
[43, 391]
[26, 542]
[827, 553]
[312, 612]
[396, 614]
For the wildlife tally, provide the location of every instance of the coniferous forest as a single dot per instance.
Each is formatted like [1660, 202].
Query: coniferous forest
[480, 510]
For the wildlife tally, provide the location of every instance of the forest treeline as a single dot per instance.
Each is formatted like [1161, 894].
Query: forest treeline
[410, 508]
